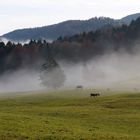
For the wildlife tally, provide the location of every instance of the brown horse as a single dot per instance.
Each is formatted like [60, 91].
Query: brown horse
[94, 94]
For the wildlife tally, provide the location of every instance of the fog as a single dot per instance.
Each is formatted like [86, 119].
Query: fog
[20, 81]
[116, 70]
[5, 40]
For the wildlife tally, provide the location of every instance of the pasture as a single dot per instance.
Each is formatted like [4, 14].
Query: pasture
[70, 115]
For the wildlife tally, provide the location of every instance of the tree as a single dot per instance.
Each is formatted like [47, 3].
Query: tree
[52, 76]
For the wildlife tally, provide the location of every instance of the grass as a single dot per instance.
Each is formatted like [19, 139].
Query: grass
[70, 115]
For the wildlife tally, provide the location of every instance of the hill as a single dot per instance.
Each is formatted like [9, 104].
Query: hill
[88, 45]
[129, 18]
[67, 28]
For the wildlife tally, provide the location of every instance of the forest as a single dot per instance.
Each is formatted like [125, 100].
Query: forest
[80, 47]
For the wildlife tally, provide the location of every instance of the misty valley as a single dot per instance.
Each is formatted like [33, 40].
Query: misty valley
[107, 58]
[76, 80]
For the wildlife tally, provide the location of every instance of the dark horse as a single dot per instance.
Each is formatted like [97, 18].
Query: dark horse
[79, 87]
[94, 94]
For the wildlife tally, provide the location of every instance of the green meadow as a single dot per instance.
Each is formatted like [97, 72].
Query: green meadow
[70, 115]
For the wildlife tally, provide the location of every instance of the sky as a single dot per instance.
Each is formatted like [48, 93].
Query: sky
[18, 14]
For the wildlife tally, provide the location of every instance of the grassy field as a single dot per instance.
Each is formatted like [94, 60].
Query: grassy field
[70, 115]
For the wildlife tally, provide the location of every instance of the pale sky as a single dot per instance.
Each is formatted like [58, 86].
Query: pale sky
[16, 14]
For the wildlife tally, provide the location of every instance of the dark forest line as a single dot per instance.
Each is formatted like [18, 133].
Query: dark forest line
[80, 47]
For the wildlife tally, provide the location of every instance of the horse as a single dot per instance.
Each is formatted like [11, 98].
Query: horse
[79, 87]
[94, 94]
